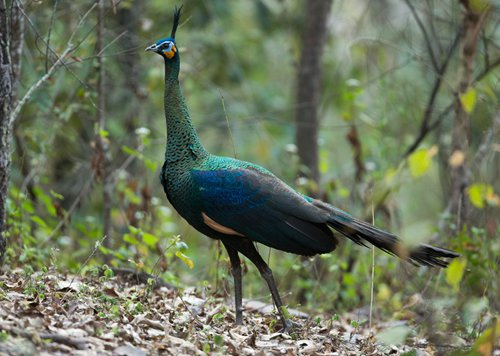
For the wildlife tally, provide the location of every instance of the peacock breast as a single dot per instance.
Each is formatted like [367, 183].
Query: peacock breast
[181, 192]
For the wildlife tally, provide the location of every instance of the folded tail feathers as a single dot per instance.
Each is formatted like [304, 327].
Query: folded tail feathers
[362, 233]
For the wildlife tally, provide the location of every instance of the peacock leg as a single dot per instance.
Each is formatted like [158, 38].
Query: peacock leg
[248, 249]
[236, 272]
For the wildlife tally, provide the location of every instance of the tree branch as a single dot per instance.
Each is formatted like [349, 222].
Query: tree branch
[77, 343]
[425, 126]
[34, 87]
[426, 36]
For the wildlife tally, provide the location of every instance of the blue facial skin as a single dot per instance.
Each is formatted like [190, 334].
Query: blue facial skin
[159, 42]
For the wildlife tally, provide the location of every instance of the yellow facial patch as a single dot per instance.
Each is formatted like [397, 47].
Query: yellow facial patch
[171, 53]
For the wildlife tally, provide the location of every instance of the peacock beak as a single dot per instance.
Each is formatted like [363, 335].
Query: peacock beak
[153, 47]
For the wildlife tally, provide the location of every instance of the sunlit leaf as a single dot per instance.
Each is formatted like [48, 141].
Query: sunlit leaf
[152, 166]
[420, 161]
[104, 250]
[343, 192]
[479, 5]
[479, 193]
[134, 230]
[56, 195]
[468, 100]
[103, 133]
[189, 262]
[130, 239]
[384, 292]
[324, 161]
[39, 221]
[149, 239]
[455, 272]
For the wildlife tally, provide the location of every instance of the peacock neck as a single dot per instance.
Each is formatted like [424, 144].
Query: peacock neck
[183, 144]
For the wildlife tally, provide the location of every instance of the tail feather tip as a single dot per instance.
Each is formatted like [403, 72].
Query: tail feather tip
[427, 255]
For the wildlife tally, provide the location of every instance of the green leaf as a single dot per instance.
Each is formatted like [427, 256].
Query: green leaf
[28, 206]
[285, 312]
[189, 262]
[104, 250]
[420, 161]
[479, 193]
[56, 195]
[39, 221]
[410, 353]
[468, 100]
[152, 166]
[130, 239]
[324, 161]
[455, 272]
[479, 5]
[134, 230]
[149, 239]
[103, 133]
[218, 340]
[45, 199]
[419, 164]
[130, 151]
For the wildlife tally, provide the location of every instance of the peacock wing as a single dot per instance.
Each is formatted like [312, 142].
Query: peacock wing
[252, 203]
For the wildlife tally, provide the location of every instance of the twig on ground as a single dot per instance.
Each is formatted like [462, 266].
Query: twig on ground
[77, 343]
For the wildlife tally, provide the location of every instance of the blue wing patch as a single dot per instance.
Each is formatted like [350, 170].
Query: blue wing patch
[260, 207]
[228, 191]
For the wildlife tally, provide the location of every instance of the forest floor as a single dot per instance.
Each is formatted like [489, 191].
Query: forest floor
[50, 313]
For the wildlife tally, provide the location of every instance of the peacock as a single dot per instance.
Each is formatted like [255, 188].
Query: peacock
[240, 203]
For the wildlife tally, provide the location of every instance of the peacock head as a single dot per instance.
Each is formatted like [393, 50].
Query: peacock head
[166, 47]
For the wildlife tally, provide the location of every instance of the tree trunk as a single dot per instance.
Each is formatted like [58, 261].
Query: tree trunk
[11, 42]
[459, 173]
[101, 157]
[308, 89]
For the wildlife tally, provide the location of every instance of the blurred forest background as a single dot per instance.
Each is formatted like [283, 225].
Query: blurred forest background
[398, 122]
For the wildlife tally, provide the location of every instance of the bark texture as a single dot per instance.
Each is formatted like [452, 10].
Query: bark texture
[102, 145]
[460, 173]
[309, 88]
[11, 42]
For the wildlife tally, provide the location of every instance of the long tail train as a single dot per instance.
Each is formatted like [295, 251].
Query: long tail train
[362, 233]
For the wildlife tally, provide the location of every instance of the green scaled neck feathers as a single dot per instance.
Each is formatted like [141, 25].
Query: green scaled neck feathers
[182, 141]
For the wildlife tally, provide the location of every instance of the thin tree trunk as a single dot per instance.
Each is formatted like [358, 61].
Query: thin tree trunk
[11, 43]
[102, 146]
[459, 173]
[308, 89]
[308, 92]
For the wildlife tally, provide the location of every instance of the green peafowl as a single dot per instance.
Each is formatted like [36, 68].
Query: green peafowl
[240, 203]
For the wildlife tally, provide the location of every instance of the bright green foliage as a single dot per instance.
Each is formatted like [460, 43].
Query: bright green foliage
[481, 193]
[420, 161]
[468, 100]
[455, 273]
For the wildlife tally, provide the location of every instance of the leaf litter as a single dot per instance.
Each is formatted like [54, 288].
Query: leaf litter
[55, 314]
